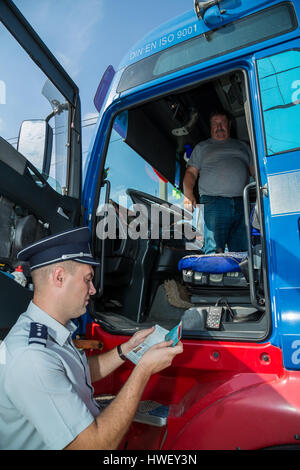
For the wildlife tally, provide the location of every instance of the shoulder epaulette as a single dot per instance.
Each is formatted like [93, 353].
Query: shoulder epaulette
[38, 334]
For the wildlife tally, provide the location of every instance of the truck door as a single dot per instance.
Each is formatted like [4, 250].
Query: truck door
[40, 185]
[278, 145]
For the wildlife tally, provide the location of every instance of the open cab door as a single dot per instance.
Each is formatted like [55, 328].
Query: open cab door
[40, 185]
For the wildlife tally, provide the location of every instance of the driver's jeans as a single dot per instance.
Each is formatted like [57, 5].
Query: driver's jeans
[224, 224]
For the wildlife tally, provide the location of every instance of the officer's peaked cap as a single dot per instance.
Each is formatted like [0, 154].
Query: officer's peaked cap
[69, 245]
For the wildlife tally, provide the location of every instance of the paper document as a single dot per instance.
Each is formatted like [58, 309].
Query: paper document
[158, 336]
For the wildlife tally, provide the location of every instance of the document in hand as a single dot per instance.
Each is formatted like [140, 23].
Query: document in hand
[159, 335]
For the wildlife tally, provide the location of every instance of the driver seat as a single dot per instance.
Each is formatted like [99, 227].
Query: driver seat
[221, 269]
[216, 269]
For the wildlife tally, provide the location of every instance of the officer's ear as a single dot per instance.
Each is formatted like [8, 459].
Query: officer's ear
[58, 276]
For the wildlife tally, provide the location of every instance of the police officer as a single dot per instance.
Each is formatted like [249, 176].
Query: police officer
[46, 393]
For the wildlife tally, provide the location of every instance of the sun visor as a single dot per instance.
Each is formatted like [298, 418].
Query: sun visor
[145, 138]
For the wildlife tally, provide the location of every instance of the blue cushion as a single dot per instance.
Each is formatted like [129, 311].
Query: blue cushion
[213, 263]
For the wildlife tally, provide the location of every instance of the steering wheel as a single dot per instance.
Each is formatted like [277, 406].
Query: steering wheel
[138, 197]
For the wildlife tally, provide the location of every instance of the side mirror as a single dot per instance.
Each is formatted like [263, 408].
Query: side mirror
[35, 143]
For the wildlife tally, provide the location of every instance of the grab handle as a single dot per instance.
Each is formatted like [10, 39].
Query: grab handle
[253, 297]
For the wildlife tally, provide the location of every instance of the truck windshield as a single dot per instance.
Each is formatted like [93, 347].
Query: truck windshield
[126, 169]
[132, 171]
[255, 28]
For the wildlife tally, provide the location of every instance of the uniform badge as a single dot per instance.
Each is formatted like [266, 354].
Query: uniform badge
[38, 334]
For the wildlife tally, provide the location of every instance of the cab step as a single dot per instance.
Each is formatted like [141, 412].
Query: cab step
[148, 412]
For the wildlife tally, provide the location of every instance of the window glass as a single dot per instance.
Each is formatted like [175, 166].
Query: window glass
[254, 28]
[280, 98]
[125, 168]
[26, 94]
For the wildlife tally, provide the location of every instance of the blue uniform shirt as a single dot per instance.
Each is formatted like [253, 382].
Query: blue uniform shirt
[46, 396]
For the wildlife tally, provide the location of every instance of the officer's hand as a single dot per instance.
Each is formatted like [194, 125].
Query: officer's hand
[159, 357]
[136, 339]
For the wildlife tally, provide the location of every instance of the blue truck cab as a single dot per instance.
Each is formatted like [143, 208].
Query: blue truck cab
[169, 82]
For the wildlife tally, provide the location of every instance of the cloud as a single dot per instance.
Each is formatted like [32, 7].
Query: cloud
[67, 27]
[77, 22]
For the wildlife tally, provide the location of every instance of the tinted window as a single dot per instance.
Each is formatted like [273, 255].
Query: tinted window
[125, 168]
[280, 98]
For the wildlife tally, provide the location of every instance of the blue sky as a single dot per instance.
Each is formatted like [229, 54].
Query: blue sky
[88, 35]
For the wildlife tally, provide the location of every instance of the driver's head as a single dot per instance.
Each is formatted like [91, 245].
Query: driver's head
[220, 124]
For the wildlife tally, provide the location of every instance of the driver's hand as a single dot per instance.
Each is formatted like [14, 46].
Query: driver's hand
[189, 203]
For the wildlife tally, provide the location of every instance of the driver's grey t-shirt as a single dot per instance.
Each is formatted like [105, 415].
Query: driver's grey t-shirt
[223, 166]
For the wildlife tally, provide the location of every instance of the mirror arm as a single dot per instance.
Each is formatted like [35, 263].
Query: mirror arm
[57, 110]
[51, 115]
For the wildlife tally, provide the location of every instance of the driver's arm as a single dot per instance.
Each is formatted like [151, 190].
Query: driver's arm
[189, 181]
